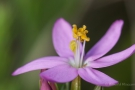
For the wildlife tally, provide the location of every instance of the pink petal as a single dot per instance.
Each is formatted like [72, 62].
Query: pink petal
[113, 59]
[62, 36]
[107, 42]
[96, 77]
[41, 63]
[60, 74]
[44, 85]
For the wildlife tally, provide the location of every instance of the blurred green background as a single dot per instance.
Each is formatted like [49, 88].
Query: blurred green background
[25, 34]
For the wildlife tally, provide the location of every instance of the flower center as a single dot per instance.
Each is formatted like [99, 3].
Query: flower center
[80, 37]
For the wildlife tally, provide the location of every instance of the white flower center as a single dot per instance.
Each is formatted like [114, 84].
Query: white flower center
[77, 60]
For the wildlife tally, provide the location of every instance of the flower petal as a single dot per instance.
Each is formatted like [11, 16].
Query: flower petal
[96, 77]
[113, 59]
[62, 36]
[60, 74]
[107, 42]
[41, 63]
[44, 85]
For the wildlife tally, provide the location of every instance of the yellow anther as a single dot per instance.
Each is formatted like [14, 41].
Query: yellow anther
[74, 26]
[86, 31]
[87, 39]
[75, 31]
[84, 27]
[75, 36]
[84, 37]
[80, 30]
[80, 33]
[73, 45]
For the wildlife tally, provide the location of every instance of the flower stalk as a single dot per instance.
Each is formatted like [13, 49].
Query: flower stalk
[98, 88]
[76, 84]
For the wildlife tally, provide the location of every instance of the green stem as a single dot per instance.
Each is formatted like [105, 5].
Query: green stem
[67, 86]
[98, 88]
[76, 84]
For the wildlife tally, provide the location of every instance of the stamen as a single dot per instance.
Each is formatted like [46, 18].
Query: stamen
[84, 27]
[84, 37]
[80, 33]
[80, 36]
[75, 27]
[82, 55]
[75, 31]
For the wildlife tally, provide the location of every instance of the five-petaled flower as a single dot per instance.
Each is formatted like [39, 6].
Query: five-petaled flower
[72, 61]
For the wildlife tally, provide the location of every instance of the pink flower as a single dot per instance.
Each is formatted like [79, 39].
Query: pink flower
[68, 65]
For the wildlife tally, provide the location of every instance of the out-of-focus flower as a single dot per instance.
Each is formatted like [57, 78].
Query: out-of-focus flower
[72, 61]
